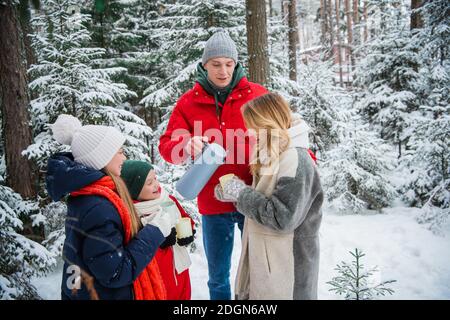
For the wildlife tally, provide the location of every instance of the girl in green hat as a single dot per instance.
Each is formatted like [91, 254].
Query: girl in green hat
[150, 199]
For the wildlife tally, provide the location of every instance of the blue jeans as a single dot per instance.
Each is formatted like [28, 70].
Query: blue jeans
[218, 239]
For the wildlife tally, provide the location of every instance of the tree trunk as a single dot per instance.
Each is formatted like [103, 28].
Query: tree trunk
[330, 25]
[323, 21]
[349, 16]
[285, 7]
[416, 21]
[14, 103]
[338, 38]
[357, 32]
[25, 24]
[366, 22]
[293, 39]
[257, 44]
[416, 18]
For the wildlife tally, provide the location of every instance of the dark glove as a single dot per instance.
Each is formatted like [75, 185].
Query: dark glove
[171, 239]
[186, 241]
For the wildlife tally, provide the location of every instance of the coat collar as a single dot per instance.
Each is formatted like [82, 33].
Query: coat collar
[298, 132]
[241, 91]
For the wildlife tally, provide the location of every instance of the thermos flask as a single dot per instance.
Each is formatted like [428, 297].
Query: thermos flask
[199, 173]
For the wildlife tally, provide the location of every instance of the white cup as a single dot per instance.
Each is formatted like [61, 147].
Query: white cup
[184, 228]
[225, 178]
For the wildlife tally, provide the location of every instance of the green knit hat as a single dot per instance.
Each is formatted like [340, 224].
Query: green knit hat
[134, 173]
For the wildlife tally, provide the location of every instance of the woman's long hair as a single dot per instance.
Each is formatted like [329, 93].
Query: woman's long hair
[270, 116]
[124, 194]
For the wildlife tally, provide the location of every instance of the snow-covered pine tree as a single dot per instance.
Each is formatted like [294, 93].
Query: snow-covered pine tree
[21, 258]
[124, 30]
[323, 104]
[353, 172]
[387, 74]
[435, 213]
[383, 15]
[428, 154]
[67, 79]
[133, 44]
[354, 282]
[315, 95]
[55, 214]
[432, 40]
[307, 96]
[180, 33]
[428, 160]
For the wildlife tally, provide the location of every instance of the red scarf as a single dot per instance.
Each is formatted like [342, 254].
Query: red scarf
[149, 284]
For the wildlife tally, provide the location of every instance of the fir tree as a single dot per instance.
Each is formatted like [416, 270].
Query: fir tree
[55, 214]
[388, 75]
[20, 258]
[67, 79]
[323, 105]
[428, 162]
[354, 172]
[124, 29]
[353, 280]
[428, 155]
[180, 32]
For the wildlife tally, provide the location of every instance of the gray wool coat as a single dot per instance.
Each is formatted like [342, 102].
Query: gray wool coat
[280, 243]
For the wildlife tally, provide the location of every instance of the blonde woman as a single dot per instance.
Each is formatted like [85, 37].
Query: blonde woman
[108, 251]
[280, 248]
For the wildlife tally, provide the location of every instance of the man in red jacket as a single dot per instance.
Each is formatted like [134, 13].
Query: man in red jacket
[211, 112]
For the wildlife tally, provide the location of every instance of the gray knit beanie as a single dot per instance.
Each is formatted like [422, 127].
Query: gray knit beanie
[92, 145]
[219, 45]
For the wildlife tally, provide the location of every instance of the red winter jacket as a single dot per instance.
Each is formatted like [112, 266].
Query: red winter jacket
[198, 105]
[178, 286]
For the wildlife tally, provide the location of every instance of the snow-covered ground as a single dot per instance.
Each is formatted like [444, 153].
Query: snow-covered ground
[402, 249]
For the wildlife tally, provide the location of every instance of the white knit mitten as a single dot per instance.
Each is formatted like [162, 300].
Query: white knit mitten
[218, 194]
[232, 188]
[161, 220]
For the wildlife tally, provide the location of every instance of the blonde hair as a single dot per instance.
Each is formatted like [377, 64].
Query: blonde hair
[272, 113]
[124, 194]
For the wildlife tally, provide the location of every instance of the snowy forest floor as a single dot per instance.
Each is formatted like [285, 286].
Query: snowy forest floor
[402, 249]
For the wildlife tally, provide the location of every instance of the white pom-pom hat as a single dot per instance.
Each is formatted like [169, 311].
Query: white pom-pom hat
[92, 145]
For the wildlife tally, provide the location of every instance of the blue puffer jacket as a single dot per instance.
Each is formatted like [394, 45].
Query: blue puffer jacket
[94, 235]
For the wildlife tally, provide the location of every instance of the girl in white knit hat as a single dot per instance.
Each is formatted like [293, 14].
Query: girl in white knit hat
[108, 251]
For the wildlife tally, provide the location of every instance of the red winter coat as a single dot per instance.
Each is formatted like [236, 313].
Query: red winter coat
[178, 286]
[198, 105]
